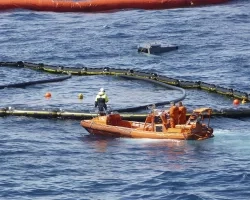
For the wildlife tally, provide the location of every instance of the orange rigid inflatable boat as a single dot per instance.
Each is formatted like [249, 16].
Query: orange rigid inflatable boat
[101, 5]
[156, 126]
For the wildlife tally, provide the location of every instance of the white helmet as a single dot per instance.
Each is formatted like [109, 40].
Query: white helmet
[102, 90]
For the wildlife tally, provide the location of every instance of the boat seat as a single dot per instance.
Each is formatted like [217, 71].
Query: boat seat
[124, 123]
[113, 119]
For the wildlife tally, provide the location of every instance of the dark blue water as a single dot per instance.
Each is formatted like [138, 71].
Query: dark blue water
[57, 159]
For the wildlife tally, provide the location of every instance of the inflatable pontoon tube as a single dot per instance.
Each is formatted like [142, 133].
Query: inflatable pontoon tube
[101, 5]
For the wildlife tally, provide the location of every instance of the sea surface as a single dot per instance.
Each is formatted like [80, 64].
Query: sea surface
[57, 159]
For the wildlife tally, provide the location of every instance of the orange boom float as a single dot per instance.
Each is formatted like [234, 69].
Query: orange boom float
[156, 126]
[101, 5]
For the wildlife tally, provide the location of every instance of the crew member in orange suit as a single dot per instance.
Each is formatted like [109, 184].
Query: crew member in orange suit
[174, 114]
[182, 113]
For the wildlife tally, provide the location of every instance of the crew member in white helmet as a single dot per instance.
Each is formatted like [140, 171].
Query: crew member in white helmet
[101, 101]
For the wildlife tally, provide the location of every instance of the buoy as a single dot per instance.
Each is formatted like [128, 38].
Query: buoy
[80, 96]
[243, 101]
[47, 95]
[236, 102]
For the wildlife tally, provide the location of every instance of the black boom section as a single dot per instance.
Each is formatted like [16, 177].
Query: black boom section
[85, 71]
[28, 83]
[143, 107]
[78, 115]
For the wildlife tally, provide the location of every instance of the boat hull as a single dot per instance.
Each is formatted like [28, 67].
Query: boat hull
[117, 131]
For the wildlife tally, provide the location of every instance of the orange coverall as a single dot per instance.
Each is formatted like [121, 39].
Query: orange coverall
[182, 114]
[174, 116]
